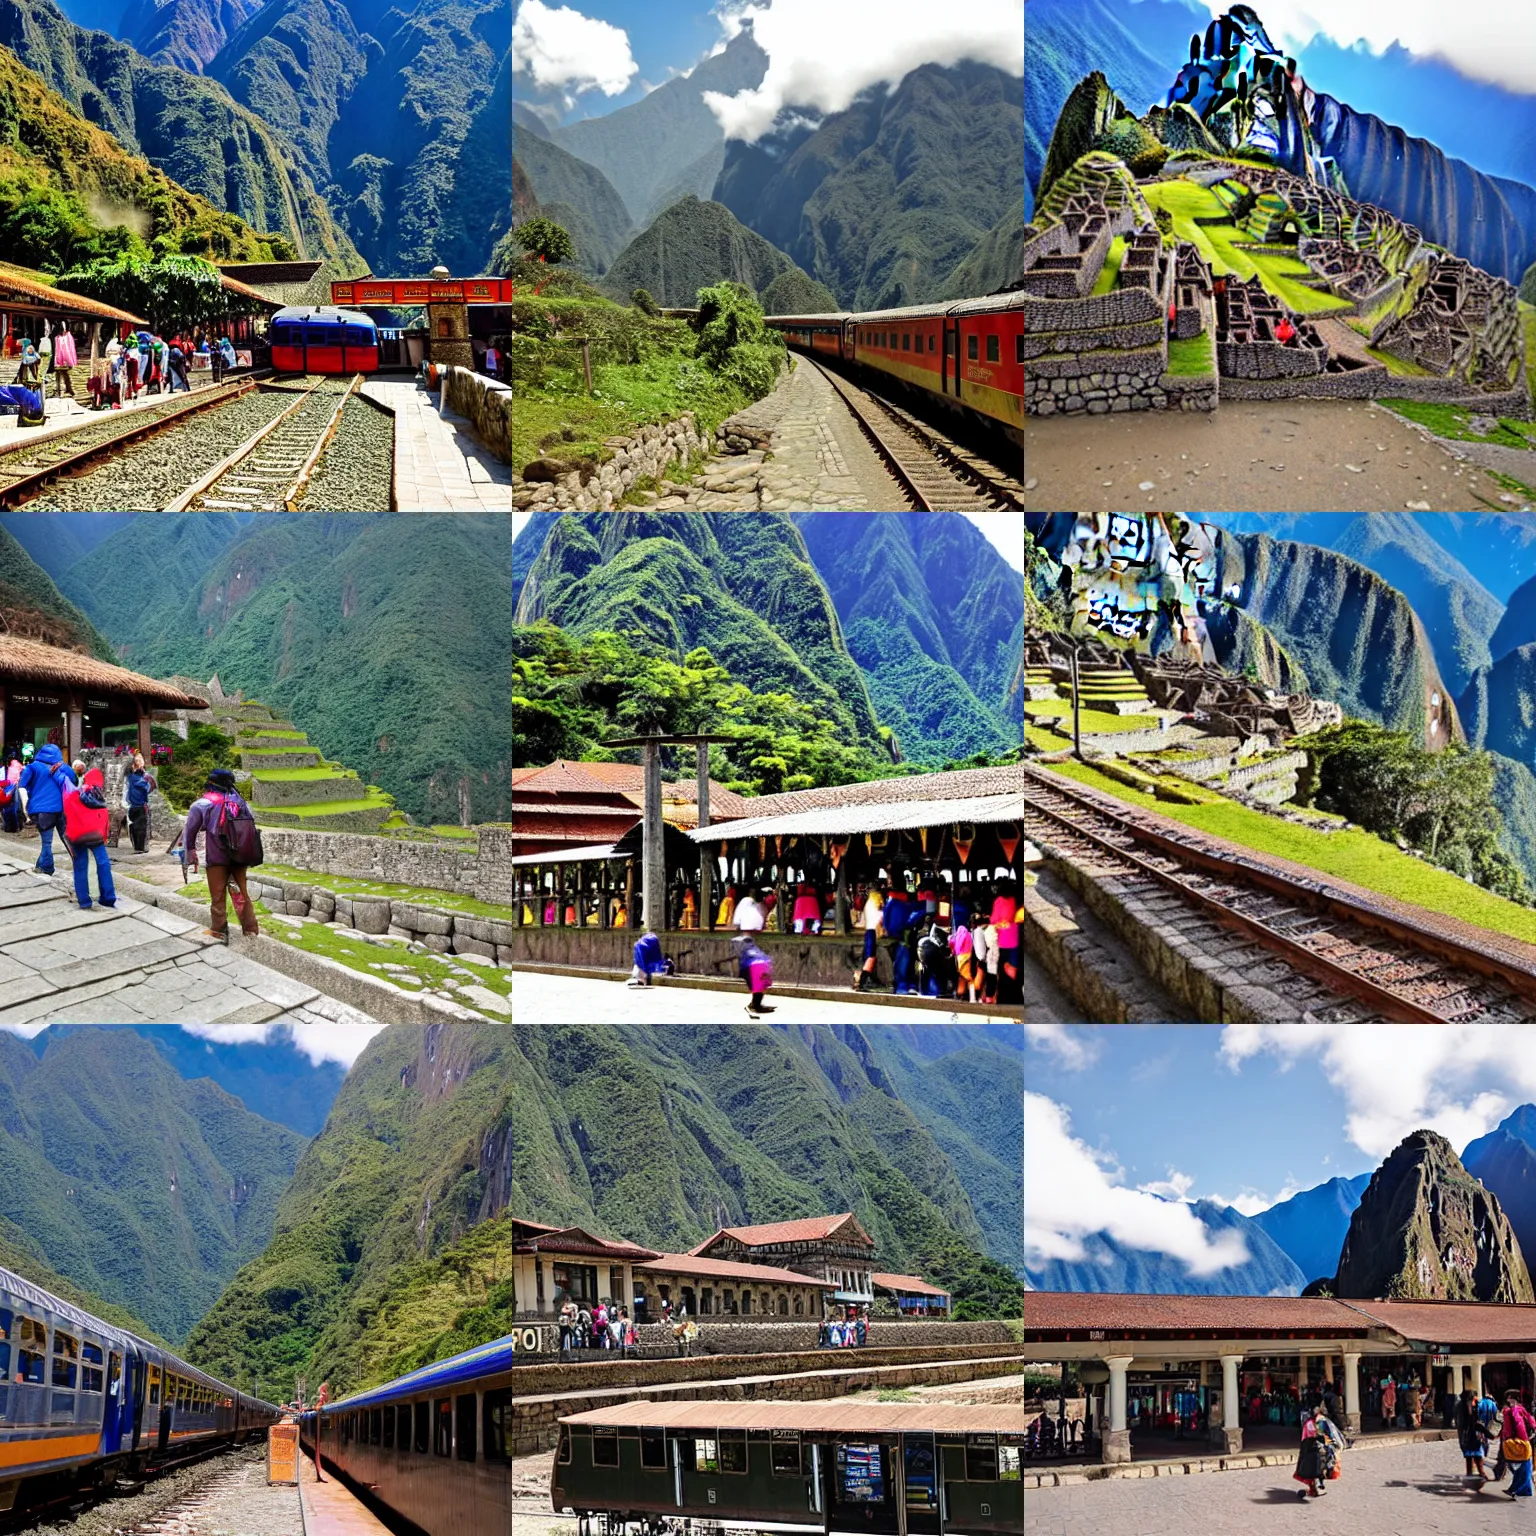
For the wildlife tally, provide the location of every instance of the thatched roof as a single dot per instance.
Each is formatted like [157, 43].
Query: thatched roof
[28, 661]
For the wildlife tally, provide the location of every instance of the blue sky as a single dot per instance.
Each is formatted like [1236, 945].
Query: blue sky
[1120, 1119]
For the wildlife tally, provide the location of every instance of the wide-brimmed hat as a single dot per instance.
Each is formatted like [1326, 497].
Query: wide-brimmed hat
[221, 778]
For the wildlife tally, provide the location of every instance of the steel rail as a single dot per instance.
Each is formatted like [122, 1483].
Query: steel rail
[22, 487]
[1319, 899]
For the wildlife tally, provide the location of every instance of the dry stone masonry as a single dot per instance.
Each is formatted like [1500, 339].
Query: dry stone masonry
[584, 486]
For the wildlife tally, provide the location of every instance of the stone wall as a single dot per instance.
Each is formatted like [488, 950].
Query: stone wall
[484, 403]
[645, 454]
[479, 868]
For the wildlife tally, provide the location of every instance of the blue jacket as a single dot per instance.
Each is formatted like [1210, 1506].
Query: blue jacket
[45, 788]
[648, 955]
[898, 914]
[138, 787]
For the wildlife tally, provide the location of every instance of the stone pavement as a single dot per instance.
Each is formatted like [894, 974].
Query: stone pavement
[1400, 1490]
[439, 465]
[130, 964]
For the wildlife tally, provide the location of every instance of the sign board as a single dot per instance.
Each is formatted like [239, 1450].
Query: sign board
[242, 359]
[1439, 1359]
[396, 292]
[97, 704]
[283, 1453]
[34, 698]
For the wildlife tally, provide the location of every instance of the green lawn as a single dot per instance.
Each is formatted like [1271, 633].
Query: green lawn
[1528, 322]
[371, 800]
[1399, 367]
[298, 775]
[1454, 421]
[1097, 721]
[1356, 856]
[281, 733]
[345, 885]
[1192, 357]
[1109, 273]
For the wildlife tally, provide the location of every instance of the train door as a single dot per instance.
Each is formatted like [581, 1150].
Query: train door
[112, 1432]
[920, 1484]
[951, 364]
[134, 1394]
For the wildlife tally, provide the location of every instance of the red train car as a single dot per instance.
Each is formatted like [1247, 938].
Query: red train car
[325, 340]
[969, 354]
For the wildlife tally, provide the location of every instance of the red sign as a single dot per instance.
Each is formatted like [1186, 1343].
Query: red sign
[395, 292]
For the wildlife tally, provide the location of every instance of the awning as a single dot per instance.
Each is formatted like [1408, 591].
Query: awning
[871, 818]
[567, 855]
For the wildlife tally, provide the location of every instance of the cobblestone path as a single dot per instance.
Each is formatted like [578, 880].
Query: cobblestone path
[1402, 1490]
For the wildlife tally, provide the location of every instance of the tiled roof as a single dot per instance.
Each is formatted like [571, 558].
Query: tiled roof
[726, 1269]
[958, 784]
[1455, 1322]
[806, 1230]
[1078, 1311]
[579, 1240]
[908, 1283]
[627, 779]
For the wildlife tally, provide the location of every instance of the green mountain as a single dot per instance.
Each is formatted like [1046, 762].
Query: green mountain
[21, 1255]
[744, 588]
[793, 293]
[694, 245]
[1517, 626]
[663, 1135]
[184, 125]
[934, 617]
[1498, 706]
[143, 1187]
[648, 147]
[34, 608]
[578, 196]
[396, 1195]
[186, 33]
[996, 262]
[383, 637]
[883, 201]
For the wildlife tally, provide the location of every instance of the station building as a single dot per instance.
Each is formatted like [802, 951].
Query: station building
[912, 1297]
[831, 1248]
[1161, 1369]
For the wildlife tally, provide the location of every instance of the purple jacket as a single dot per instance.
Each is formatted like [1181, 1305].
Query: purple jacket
[201, 818]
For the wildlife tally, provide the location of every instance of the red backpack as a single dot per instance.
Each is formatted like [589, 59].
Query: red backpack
[235, 830]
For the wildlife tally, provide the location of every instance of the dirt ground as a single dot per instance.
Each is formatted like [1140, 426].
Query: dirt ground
[1251, 456]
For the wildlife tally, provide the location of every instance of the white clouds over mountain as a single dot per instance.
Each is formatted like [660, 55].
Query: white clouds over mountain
[560, 49]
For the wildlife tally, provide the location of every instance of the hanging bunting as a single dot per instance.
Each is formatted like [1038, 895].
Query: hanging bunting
[963, 836]
[838, 850]
[778, 845]
[923, 834]
[1009, 844]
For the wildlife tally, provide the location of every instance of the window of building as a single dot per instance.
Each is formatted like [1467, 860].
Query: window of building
[578, 1282]
[66, 1358]
[970, 348]
[783, 1306]
[786, 1456]
[605, 1447]
[906, 341]
[733, 1450]
[616, 1285]
[91, 1373]
[993, 344]
[496, 1425]
[464, 1426]
[538, 1278]
[981, 1463]
[746, 1303]
[403, 1426]
[442, 1427]
[653, 1448]
[423, 1436]
[799, 1306]
[706, 1302]
[706, 1456]
[564, 1452]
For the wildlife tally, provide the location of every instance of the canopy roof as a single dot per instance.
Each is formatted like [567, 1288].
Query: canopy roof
[728, 1269]
[811, 1418]
[908, 1284]
[871, 818]
[31, 289]
[31, 661]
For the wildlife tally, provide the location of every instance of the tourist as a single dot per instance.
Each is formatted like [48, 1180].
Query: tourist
[1330, 1441]
[64, 358]
[1488, 1416]
[1005, 917]
[649, 960]
[567, 1325]
[86, 821]
[583, 1329]
[806, 916]
[933, 962]
[872, 921]
[13, 799]
[1519, 1429]
[600, 1326]
[227, 353]
[1472, 1436]
[178, 371]
[1388, 1402]
[1413, 1404]
[666, 1309]
[27, 373]
[861, 1324]
[898, 913]
[44, 780]
[229, 824]
[1309, 1460]
[756, 968]
[137, 787]
[964, 951]
[617, 1321]
[492, 361]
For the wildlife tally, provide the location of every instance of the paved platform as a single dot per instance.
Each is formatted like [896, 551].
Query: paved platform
[439, 465]
[1401, 1490]
[331, 1509]
[129, 964]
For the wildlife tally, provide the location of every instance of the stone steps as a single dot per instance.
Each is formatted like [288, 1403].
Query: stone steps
[267, 792]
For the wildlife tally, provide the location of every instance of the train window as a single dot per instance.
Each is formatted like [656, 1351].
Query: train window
[981, 1463]
[733, 1450]
[496, 1419]
[1018, 347]
[970, 348]
[950, 338]
[464, 1426]
[605, 1447]
[154, 1385]
[564, 1454]
[786, 1458]
[442, 1427]
[930, 341]
[389, 1429]
[653, 1448]
[403, 1414]
[66, 1355]
[423, 1440]
[706, 1456]
[359, 336]
[1008, 1469]
[375, 1426]
[906, 341]
[993, 344]
[92, 1377]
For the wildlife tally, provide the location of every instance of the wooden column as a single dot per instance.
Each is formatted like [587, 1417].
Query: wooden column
[706, 855]
[654, 873]
[73, 724]
[629, 893]
[144, 727]
[559, 895]
[844, 916]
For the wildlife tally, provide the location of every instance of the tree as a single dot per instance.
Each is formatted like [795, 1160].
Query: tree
[642, 300]
[546, 240]
[171, 292]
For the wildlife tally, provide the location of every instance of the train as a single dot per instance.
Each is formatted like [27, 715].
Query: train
[433, 1446]
[306, 339]
[969, 355]
[83, 1402]
[877, 1469]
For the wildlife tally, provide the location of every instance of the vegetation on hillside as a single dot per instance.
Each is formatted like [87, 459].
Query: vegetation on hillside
[34, 608]
[172, 293]
[578, 196]
[414, 1157]
[795, 293]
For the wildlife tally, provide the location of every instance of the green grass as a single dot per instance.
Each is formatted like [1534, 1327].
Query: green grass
[1356, 856]
[1192, 356]
[283, 734]
[345, 885]
[1454, 421]
[1097, 721]
[1109, 273]
[1528, 325]
[467, 833]
[299, 775]
[373, 798]
[1046, 741]
[1399, 367]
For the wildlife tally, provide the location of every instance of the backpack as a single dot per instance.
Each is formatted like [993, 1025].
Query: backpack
[236, 832]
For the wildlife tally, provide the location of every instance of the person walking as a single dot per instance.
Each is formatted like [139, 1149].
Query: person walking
[1472, 1436]
[44, 780]
[1388, 1402]
[753, 964]
[1518, 1432]
[177, 365]
[233, 845]
[1309, 1460]
[1413, 1404]
[873, 922]
[649, 960]
[137, 785]
[567, 1325]
[86, 823]
[64, 358]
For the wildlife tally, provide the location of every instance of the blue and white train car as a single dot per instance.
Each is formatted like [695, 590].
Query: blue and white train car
[435, 1445]
[82, 1401]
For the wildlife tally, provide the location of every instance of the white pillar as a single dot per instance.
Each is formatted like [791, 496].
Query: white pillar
[1352, 1393]
[1328, 1369]
[1229, 1401]
[1477, 1363]
[1117, 1438]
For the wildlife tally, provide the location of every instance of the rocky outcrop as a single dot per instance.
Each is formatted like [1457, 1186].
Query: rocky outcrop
[1425, 1229]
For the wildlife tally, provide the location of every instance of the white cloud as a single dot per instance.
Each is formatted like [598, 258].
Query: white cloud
[1457, 1079]
[1488, 40]
[1174, 1187]
[1072, 1048]
[559, 48]
[822, 53]
[1005, 532]
[1250, 1201]
[1071, 1191]
[341, 1043]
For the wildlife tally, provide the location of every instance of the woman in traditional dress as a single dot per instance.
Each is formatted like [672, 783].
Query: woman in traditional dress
[1472, 1436]
[1519, 1431]
[1309, 1460]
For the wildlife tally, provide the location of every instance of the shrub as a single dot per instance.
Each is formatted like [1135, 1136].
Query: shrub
[643, 301]
[1128, 139]
[543, 238]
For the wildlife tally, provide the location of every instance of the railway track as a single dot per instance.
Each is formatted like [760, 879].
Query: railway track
[1347, 963]
[27, 468]
[939, 474]
[269, 470]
